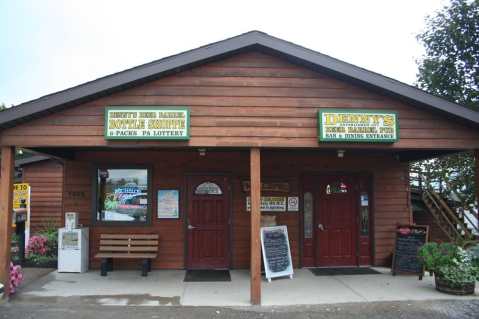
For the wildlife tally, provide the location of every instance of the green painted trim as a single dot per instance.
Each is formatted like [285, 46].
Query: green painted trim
[338, 110]
[148, 108]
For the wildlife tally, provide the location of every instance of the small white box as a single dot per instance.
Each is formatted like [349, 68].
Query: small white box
[71, 220]
[73, 250]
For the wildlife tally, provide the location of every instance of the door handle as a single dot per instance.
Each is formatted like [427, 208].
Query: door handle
[321, 227]
[191, 227]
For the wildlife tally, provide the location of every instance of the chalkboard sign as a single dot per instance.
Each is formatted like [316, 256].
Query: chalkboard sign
[276, 252]
[409, 238]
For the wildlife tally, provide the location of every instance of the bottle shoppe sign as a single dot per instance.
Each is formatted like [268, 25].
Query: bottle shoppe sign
[344, 125]
[153, 123]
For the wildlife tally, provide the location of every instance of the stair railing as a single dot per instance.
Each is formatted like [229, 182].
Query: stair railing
[451, 231]
[454, 217]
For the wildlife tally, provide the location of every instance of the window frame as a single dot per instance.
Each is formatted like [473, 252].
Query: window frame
[94, 199]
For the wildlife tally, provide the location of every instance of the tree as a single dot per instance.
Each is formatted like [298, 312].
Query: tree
[450, 69]
[450, 66]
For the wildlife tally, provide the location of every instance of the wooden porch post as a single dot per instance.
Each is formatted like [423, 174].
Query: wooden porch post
[6, 209]
[255, 250]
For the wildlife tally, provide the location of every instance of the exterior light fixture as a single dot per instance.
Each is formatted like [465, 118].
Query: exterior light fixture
[202, 151]
[341, 153]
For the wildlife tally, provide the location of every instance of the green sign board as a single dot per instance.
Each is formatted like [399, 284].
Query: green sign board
[346, 125]
[147, 123]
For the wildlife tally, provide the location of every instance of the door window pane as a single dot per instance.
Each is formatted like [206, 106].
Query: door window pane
[208, 188]
[308, 215]
[338, 187]
[122, 195]
[364, 215]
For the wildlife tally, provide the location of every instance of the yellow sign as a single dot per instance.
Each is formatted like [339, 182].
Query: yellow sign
[345, 125]
[21, 195]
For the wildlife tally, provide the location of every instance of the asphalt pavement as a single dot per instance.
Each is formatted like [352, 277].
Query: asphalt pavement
[454, 309]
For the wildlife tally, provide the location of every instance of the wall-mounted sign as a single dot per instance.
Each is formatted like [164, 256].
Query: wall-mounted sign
[345, 125]
[151, 123]
[269, 204]
[293, 204]
[168, 203]
[282, 187]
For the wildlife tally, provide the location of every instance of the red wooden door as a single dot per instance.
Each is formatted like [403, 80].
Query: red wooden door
[336, 227]
[208, 222]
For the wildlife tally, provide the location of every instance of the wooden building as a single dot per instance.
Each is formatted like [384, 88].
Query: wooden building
[328, 144]
[45, 177]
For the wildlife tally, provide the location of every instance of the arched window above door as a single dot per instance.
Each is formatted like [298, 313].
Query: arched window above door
[208, 188]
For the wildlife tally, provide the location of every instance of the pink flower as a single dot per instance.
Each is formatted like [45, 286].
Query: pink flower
[37, 245]
[16, 277]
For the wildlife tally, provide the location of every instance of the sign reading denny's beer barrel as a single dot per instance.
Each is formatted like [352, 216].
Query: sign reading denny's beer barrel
[345, 125]
[154, 123]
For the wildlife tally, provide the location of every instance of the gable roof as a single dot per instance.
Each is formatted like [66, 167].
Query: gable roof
[250, 40]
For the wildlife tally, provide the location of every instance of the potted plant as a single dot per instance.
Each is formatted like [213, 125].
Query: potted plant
[455, 269]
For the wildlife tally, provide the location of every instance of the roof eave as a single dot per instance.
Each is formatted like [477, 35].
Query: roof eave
[200, 55]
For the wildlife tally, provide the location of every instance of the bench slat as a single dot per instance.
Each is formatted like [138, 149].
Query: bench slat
[129, 236]
[125, 256]
[126, 249]
[123, 242]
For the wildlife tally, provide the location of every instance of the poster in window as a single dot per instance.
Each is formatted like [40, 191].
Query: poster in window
[168, 203]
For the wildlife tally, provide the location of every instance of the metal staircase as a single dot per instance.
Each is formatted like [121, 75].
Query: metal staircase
[451, 222]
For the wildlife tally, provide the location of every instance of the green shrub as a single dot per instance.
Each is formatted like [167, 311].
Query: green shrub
[450, 262]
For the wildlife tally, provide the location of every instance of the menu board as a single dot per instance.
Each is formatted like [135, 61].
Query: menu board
[409, 238]
[276, 252]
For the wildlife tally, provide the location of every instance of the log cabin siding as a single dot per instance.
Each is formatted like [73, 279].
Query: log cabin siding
[169, 168]
[46, 181]
[251, 99]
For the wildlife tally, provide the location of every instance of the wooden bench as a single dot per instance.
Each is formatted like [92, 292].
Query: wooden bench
[127, 246]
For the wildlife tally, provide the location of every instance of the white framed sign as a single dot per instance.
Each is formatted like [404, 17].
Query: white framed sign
[357, 125]
[269, 204]
[276, 252]
[293, 204]
[147, 123]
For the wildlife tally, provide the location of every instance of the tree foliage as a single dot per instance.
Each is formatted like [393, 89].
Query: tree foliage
[450, 66]
[450, 69]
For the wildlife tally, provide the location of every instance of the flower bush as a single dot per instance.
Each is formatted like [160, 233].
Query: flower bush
[16, 277]
[37, 245]
[42, 249]
[450, 262]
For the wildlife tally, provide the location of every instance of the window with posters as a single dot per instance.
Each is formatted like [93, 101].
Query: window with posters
[123, 195]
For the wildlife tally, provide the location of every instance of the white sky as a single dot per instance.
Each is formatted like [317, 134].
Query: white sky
[50, 45]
